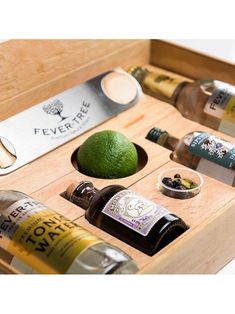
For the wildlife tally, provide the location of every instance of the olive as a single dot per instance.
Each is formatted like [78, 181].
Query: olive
[176, 183]
[177, 175]
[167, 181]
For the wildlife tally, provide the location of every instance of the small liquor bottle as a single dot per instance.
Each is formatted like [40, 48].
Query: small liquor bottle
[36, 239]
[208, 102]
[127, 216]
[201, 151]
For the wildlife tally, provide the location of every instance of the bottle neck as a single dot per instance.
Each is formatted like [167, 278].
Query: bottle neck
[162, 138]
[83, 194]
[163, 86]
[139, 73]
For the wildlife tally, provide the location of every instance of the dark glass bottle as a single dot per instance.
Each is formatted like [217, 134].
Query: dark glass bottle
[200, 151]
[127, 216]
[208, 102]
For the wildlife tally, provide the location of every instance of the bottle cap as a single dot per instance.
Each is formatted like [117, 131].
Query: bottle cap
[70, 189]
[80, 193]
[138, 72]
[155, 134]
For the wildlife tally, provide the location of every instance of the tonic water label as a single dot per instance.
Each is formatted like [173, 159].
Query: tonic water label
[213, 149]
[162, 84]
[42, 238]
[134, 211]
[221, 104]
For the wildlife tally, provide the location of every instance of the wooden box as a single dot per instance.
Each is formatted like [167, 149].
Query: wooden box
[33, 70]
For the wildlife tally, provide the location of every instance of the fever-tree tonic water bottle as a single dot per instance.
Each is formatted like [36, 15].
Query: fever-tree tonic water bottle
[46, 242]
[208, 102]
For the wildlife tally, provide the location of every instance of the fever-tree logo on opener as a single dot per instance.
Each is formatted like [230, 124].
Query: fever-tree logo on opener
[55, 108]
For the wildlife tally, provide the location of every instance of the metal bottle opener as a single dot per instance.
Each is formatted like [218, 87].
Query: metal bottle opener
[55, 121]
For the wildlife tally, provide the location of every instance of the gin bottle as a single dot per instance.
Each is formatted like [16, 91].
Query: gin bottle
[200, 151]
[127, 216]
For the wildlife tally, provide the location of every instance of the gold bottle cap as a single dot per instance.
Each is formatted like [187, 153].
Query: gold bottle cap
[138, 72]
[133, 69]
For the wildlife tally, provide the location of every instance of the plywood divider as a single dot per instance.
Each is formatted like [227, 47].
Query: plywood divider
[56, 164]
[195, 212]
[190, 63]
[51, 194]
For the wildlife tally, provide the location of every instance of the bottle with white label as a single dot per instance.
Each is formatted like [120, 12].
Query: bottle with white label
[208, 102]
[127, 216]
[201, 151]
[36, 239]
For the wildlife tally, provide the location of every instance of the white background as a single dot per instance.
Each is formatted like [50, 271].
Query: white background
[220, 48]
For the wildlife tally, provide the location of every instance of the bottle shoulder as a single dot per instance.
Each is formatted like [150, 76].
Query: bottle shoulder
[113, 188]
[188, 138]
[100, 199]
[108, 192]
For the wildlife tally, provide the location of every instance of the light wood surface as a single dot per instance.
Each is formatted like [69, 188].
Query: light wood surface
[208, 244]
[190, 63]
[33, 70]
[196, 212]
[31, 178]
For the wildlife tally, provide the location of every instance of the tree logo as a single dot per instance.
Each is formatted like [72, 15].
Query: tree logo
[54, 108]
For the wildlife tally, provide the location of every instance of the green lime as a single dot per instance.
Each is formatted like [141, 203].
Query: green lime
[107, 154]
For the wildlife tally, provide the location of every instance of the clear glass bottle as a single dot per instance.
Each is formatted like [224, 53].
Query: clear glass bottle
[208, 102]
[127, 216]
[49, 243]
[200, 151]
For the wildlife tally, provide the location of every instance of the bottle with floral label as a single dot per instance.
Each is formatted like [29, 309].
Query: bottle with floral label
[208, 102]
[36, 239]
[128, 216]
[201, 151]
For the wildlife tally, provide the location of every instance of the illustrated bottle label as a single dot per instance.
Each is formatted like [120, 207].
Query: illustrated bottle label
[214, 149]
[221, 104]
[134, 211]
[162, 84]
[42, 238]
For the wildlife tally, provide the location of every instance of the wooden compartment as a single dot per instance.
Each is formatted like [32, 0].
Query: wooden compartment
[32, 71]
